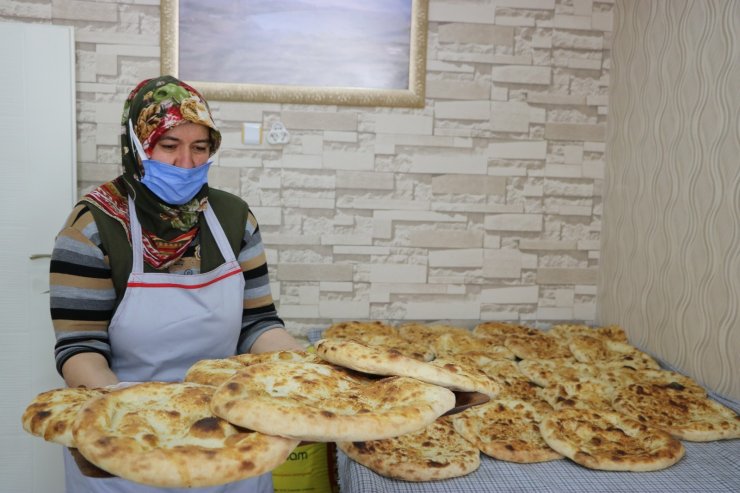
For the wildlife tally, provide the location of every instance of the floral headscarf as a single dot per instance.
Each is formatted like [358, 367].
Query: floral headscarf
[154, 107]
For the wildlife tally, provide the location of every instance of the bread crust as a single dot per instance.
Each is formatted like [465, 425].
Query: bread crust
[377, 333]
[381, 361]
[323, 403]
[567, 331]
[588, 349]
[609, 441]
[216, 371]
[537, 345]
[685, 415]
[502, 329]
[51, 414]
[506, 429]
[544, 372]
[164, 434]
[433, 453]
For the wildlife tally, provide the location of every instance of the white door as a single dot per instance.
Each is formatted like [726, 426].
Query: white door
[37, 191]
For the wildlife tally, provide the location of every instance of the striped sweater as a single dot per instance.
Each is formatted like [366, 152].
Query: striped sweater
[83, 298]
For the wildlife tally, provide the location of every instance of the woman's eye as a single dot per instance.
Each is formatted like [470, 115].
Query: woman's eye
[169, 147]
[203, 148]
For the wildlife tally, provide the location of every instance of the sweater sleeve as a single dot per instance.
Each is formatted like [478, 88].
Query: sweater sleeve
[259, 313]
[82, 296]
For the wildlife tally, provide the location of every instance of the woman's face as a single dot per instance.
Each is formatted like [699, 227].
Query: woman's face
[186, 146]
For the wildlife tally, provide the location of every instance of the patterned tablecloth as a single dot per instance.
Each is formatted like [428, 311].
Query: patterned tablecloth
[706, 467]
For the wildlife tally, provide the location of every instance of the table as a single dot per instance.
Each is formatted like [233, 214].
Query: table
[706, 467]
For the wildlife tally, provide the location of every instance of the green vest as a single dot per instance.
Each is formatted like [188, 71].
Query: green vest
[230, 210]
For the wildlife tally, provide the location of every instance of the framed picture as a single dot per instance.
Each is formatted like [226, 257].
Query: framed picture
[345, 52]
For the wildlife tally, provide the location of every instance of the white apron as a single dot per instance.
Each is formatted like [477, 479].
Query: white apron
[164, 324]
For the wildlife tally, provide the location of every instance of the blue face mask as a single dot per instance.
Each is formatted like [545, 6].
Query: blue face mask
[173, 185]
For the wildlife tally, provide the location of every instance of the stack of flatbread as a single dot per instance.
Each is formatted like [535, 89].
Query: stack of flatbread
[161, 434]
[579, 392]
[382, 393]
[239, 417]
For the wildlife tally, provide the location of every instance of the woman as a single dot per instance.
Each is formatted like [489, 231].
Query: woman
[154, 270]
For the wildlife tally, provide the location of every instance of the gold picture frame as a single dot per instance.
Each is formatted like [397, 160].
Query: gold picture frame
[412, 96]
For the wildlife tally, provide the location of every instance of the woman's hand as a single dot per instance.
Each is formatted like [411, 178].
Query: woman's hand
[89, 370]
[277, 339]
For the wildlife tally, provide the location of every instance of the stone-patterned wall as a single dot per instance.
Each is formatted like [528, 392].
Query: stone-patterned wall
[485, 204]
[671, 253]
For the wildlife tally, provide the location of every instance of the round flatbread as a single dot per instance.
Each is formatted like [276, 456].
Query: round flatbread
[505, 429]
[684, 415]
[609, 441]
[217, 371]
[379, 361]
[415, 331]
[582, 395]
[450, 345]
[436, 452]
[164, 434]
[618, 376]
[612, 332]
[323, 403]
[357, 330]
[377, 333]
[676, 382]
[537, 345]
[513, 383]
[546, 372]
[587, 349]
[502, 330]
[51, 414]
[412, 349]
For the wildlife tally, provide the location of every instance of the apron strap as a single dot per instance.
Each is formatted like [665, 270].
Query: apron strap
[218, 234]
[137, 246]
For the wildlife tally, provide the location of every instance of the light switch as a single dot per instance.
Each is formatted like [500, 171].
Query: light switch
[251, 133]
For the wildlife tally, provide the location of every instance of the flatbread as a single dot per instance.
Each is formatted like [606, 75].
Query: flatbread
[378, 361]
[449, 345]
[582, 395]
[412, 349]
[609, 441]
[435, 452]
[616, 376]
[164, 434]
[537, 345]
[426, 334]
[545, 372]
[216, 371]
[357, 330]
[611, 332]
[324, 403]
[503, 330]
[477, 359]
[505, 429]
[587, 349]
[377, 333]
[682, 414]
[676, 382]
[51, 414]
[512, 382]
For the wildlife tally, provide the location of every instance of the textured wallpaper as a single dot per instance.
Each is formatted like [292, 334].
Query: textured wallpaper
[484, 204]
[670, 256]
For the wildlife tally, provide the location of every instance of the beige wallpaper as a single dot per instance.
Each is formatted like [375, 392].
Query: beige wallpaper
[485, 204]
[670, 257]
